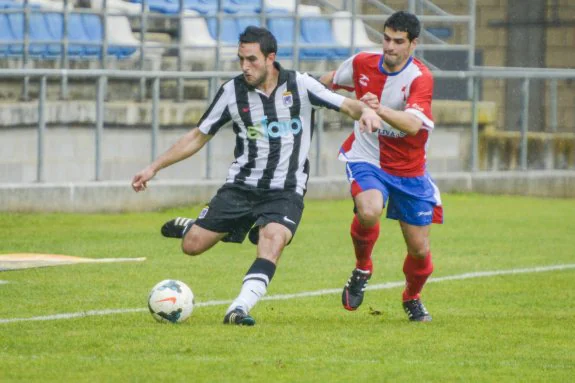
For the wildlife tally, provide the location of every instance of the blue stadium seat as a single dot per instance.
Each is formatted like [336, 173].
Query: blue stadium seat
[6, 35]
[13, 4]
[94, 30]
[162, 6]
[77, 38]
[229, 30]
[283, 29]
[242, 6]
[318, 31]
[16, 22]
[205, 7]
[244, 22]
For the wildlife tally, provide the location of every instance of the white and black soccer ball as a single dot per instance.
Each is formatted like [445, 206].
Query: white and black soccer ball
[171, 301]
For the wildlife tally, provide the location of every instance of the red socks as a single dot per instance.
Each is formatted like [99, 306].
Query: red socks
[363, 241]
[416, 272]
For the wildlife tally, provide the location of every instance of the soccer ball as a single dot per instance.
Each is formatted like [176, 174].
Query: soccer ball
[171, 301]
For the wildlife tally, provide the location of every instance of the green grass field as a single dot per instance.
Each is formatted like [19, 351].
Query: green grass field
[509, 327]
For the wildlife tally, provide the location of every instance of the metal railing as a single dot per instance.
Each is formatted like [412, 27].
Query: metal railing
[101, 78]
[420, 7]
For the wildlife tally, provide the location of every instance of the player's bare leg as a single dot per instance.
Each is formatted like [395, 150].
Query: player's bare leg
[273, 238]
[364, 233]
[197, 240]
[417, 267]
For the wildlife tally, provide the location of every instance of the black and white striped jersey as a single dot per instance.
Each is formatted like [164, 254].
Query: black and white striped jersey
[273, 134]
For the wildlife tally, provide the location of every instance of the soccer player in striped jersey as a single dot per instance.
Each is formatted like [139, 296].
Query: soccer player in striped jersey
[387, 166]
[271, 111]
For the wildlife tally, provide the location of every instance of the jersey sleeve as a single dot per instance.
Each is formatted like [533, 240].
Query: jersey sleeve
[319, 96]
[419, 100]
[343, 76]
[217, 114]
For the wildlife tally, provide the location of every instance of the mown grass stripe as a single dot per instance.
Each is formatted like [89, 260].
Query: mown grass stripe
[305, 294]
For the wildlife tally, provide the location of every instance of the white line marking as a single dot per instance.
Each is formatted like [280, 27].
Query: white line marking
[2, 282]
[381, 286]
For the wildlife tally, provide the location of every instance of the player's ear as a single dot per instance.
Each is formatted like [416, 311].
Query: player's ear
[272, 56]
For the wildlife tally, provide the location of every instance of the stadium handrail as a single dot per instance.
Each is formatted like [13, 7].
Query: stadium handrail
[102, 76]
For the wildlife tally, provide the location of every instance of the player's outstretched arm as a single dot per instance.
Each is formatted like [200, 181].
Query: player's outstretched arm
[185, 147]
[368, 119]
[406, 122]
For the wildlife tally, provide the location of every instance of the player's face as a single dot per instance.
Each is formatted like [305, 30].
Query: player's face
[396, 49]
[254, 64]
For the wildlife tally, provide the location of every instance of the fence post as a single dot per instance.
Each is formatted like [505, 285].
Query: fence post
[25, 53]
[471, 42]
[41, 130]
[155, 117]
[143, 27]
[524, 121]
[180, 81]
[65, 62]
[213, 85]
[318, 142]
[99, 125]
[475, 125]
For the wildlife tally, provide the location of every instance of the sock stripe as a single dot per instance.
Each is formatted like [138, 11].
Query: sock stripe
[257, 277]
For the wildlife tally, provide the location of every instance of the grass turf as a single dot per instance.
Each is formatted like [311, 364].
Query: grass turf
[500, 328]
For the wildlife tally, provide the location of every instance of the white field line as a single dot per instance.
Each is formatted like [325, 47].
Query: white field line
[381, 286]
[2, 282]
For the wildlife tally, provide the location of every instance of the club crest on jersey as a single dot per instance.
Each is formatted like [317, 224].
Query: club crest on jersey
[363, 80]
[287, 98]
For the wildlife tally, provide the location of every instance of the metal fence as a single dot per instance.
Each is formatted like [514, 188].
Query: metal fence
[428, 13]
[101, 78]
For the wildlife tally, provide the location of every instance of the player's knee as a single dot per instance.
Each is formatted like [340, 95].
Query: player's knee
[275, 233]
[369, 215]
[419, 250]
[191, 246]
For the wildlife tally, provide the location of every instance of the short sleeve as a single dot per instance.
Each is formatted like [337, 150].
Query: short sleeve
[419, 100]
[319, 95]
[217, 114]
[343, 77]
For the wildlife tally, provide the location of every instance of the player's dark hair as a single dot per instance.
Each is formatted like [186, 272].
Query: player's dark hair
[404, 22]
[267, 41]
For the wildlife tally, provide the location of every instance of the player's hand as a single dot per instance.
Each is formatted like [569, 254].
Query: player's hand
[369, 121]
[140, 180]
[371, 100]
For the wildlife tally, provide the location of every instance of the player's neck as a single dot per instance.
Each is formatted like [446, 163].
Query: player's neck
[395, 68]
[271, 82]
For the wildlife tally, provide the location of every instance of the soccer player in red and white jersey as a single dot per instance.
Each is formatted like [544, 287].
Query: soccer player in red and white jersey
[387, 166]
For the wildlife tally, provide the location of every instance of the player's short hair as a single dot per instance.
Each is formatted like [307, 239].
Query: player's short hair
[404, 22]
[267, 41]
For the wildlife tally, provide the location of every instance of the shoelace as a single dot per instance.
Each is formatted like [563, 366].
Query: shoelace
[416, 309]
[357, 283]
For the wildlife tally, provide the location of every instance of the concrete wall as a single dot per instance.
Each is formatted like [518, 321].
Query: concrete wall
[70, 155]
[69, 141]
[491, 38]
[114, 196]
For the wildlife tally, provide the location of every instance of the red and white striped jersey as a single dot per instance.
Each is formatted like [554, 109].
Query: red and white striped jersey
[409, 90]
